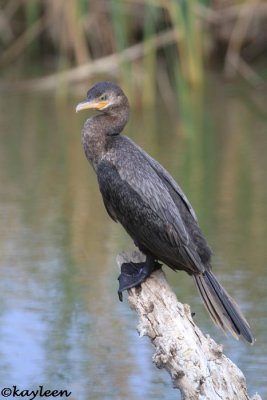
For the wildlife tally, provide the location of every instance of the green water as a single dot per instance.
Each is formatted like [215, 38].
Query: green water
[61, 324]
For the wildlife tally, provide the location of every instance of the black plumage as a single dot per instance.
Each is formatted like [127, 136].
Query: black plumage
[140, 194]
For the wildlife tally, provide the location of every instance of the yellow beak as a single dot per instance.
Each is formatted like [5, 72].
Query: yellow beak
[93, 105]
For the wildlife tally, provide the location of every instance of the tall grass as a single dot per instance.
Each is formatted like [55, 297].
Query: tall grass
[60, 34]
[77, 31]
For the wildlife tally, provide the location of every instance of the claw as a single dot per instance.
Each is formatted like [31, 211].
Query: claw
[120, 295]
[133, 274]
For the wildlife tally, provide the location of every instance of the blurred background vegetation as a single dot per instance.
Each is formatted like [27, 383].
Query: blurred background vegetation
[162, 43]
[154, 48]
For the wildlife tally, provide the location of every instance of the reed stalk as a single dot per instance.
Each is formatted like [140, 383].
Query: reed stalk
[74, 33]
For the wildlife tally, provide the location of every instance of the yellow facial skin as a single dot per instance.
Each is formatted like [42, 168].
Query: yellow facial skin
[92, 105]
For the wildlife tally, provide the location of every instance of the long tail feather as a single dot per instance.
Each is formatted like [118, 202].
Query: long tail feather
[223, 310]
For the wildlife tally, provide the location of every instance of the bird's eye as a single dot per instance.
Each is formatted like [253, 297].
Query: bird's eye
[103, 97]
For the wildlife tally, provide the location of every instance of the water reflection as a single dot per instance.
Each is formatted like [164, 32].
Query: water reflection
[61, 324]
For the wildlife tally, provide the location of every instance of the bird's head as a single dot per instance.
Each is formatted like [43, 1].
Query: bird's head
[105, 97]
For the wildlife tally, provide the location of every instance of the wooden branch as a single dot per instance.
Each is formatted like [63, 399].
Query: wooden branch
[108, 64]
[196, 364]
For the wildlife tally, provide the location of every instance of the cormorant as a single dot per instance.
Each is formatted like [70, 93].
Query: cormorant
[140, 194]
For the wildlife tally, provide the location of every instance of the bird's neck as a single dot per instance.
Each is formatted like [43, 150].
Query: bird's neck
[98, 135]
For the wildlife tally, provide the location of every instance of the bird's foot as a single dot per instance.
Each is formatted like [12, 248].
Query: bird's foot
[133, 274]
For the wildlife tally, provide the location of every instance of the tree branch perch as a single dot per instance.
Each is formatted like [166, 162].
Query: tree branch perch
[196, 364]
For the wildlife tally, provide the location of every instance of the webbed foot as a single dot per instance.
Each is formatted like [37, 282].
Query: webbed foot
[133, 274]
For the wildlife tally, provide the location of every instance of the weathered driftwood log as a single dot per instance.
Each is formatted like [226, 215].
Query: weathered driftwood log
[196, 364]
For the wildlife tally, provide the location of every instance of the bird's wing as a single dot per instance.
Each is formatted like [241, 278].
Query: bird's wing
[134, 168]
[110, 210]
[173, 187]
